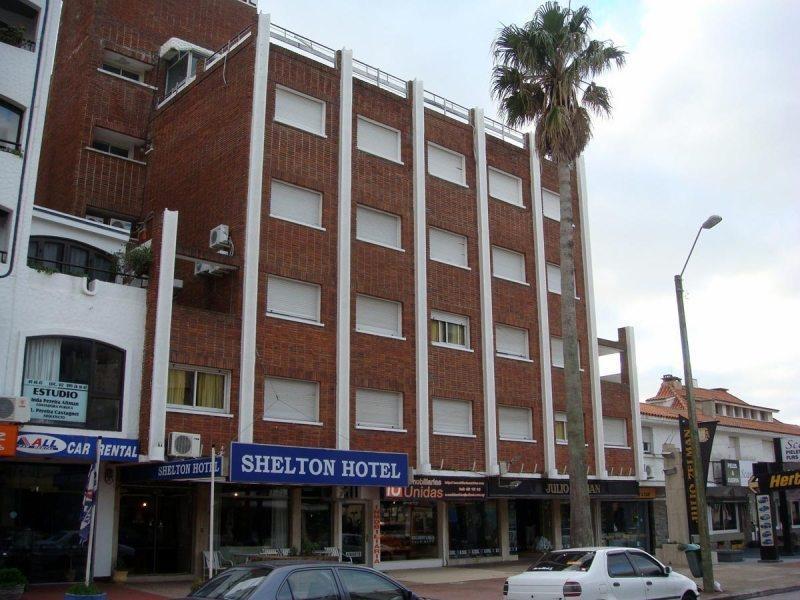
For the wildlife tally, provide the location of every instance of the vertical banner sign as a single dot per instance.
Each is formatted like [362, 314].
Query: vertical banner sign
[87, 508]
[376, 533]
[691, 479]
[764, 511]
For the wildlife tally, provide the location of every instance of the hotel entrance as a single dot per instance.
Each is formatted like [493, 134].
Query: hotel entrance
[354, 532]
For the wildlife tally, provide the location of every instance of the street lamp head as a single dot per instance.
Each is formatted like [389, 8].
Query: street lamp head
[711, 221]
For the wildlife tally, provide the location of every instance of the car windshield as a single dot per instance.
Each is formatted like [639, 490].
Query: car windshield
[564, 561]
[234, 584]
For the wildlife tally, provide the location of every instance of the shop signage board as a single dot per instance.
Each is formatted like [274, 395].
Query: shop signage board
[764, 511]
[8, 439]
[790, 449]
[438, 488]
[79, 447]
[195, 468]
[730, 472]
[691, 479]
[509, 487]
[263, 463]
[56, 401]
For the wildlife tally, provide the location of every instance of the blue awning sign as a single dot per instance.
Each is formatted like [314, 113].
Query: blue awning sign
[81, 447]
[262, 463]
[195, 468]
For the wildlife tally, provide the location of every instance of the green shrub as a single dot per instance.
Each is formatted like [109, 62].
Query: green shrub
[10, 578]
[81, 589]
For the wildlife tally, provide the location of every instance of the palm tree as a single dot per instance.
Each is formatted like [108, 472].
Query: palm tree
[544, 74]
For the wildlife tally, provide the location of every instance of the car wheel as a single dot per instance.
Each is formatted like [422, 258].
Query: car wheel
[689, 596]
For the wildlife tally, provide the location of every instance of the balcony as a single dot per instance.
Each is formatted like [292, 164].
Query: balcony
[18, 24]
[111, 182]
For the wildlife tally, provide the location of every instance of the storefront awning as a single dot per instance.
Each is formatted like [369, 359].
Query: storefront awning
[509, 487]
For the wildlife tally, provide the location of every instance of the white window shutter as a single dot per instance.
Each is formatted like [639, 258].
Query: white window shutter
[377, 408]
[378, 139]
[508, 264]
[515, 423]
[452, 416]
[615, 431]
[375, 315]
[511, 341]
[448, 247]
[291, 399]
[446, 164]
[551, 205]
[299, 110]
[505, 186]
[292, 298]
[296, 204]
[557, 352]
[553, 278]
[377, 226]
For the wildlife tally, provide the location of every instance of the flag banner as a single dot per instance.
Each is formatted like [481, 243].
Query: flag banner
[691, 479]
[87, 509]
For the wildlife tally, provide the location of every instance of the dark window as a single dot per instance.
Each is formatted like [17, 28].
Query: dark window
[234, 584]
[111, 149]
[74, 382]
[646, 566]
[564, 561]
[620, 566]
[363, 585]
[120, 71]
[313, 584]
[10, 126]
[70, 257]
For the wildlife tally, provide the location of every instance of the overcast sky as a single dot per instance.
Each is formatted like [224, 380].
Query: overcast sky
[705, 121]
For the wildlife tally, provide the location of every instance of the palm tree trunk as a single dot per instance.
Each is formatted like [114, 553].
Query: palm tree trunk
[581, 533]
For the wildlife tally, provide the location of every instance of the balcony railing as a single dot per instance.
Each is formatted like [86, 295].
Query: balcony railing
[504, 132]
[47, 265]
[230, 45]
[381, 79]
[306, 46]
[446, 107]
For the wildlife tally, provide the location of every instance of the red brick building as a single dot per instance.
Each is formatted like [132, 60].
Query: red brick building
[385, 279]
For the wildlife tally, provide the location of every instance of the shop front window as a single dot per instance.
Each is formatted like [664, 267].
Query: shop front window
[473, 529]
[724, 516]
[252, 518]
[316, 519]
[408, 531]
[74, 382]
[624, 524]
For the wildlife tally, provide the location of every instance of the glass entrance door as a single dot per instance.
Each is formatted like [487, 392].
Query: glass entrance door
[155, 530]
[353, 534]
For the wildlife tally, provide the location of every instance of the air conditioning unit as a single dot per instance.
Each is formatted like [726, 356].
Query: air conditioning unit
[15, 409]
[184, 445]
[202, 268]
[219, 238]
[648, 471]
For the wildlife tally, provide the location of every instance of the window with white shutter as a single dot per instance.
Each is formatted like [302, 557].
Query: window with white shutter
[553, 278]
[447, 247]
[514, 423]
[551, 205]
[378, 316]
[505, 186]
[446, 164]
[378, 139]
[561, 428]
[507, 264]
[378, 227]
[647, 440]
[291, 400]
[557, 352]
[615, 431]
[449, 330]
[299, 110]
[511, 341]
[379, 409]
[452, 417]
[292, 299]
[296, 204]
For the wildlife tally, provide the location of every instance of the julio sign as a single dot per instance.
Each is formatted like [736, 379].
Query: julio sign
[263, 463]
[438, 488]
[691, 479]
[57, 401]
[196, 468]
[80, 447]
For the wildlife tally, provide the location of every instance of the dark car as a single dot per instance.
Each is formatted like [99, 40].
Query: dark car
[302, 580]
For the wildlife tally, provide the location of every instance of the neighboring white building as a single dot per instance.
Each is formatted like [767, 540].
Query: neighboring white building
[744, 436]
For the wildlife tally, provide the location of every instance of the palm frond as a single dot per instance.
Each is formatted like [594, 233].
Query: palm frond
[597, 99]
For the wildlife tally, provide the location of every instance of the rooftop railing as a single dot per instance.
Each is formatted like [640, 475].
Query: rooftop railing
[230, 45]
[504, 132]
[306, 46]
[381, 79]
[446, 107]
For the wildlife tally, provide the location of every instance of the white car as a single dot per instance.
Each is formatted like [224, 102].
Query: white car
[599, 574]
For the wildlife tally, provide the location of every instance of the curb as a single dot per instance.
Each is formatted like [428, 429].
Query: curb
[747, 595]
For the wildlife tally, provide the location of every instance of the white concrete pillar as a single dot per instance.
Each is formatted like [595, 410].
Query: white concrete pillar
[633, 390]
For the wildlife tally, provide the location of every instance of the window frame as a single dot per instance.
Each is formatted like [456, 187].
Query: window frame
[399, 224]
[194, 409]
[523, 281]
[324, 121]
[560, 417]
[295, 318]
[20, 112]
[398, 396]
[507, 438]
[463, 181]
[552, 354]
[471, 423]
[523, 357]
[399, 305]
[544, 205]
[521, 203]
[316, 421]
[650, 441]
[710, 514]
[193, 59]
[92, 374]
[624, 554]
[272, 214]
[447, 262]
[64, 266]
[452, 319]
[395, 159]
[369, 573]
[606, 443]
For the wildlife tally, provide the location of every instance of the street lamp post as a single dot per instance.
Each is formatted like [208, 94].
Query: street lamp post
[702, 521]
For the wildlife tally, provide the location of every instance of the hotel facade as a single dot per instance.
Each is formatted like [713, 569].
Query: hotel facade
[345, 284]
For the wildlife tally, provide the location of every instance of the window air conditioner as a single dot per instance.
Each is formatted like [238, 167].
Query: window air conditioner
[648, 471]
[219, 238]
[184, 445]
[201, 268]
[15, 409]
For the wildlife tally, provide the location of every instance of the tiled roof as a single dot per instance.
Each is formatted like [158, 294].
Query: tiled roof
[773, 426]
[675, 389]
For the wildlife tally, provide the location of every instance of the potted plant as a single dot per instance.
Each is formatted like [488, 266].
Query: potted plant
[120, 574]
[12, 584]
[81, 591]
[134, 261]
